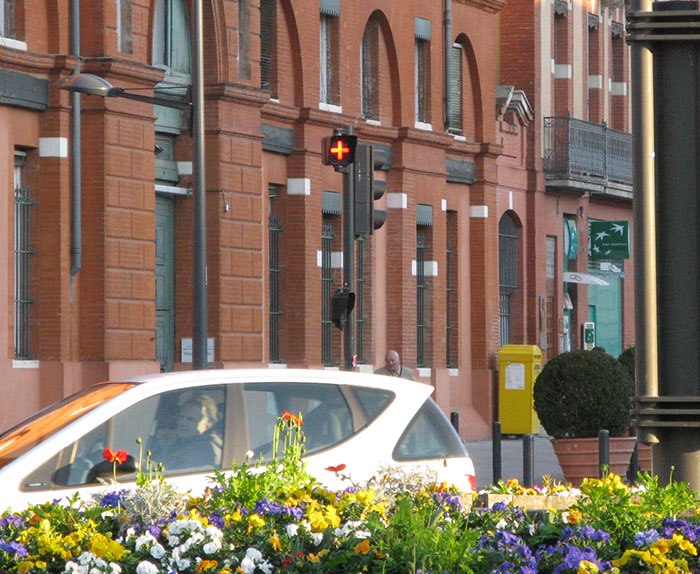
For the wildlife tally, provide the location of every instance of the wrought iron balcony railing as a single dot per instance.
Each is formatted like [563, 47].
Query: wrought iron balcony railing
[579, 150]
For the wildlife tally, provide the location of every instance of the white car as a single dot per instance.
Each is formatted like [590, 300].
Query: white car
[358, 420]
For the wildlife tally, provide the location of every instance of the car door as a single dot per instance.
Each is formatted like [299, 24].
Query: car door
[148, 432]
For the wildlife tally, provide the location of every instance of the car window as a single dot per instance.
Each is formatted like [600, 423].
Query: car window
[372, 401]
[429, 435]
[182, 430]
[29, 433]
[325, 412]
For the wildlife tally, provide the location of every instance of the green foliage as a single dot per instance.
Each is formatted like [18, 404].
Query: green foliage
[247, 483]
[627, 358]
[672, 500]
[580, 393]
[420, 538]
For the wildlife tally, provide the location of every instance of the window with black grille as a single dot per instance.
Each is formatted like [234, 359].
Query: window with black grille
[23, 256]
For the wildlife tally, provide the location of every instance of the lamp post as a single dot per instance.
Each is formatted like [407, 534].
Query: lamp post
[194, 105]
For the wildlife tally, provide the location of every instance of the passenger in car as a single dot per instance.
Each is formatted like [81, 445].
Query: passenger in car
[196, 444]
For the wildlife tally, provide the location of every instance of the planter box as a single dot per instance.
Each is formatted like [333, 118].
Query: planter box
[578, 457]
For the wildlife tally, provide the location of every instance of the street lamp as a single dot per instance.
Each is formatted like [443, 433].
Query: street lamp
[95, 85]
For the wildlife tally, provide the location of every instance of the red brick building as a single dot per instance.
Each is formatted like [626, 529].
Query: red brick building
[466, 186]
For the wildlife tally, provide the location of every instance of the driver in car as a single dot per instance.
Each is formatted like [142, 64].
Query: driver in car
[195, 443]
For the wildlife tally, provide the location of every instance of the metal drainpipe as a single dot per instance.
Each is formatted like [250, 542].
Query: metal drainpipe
[448, 60]
[76, 181]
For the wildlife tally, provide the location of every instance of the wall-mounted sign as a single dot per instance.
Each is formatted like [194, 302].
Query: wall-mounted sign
[570, 238]
[610, 239]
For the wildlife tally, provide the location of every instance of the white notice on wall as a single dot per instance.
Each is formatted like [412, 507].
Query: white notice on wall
[515, 376]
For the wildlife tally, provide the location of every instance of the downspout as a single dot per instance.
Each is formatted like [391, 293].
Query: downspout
[448, 61]
[76, 249]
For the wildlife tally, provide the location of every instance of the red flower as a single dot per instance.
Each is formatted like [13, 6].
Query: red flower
[290, 417]
[336, 468]
[111, 456]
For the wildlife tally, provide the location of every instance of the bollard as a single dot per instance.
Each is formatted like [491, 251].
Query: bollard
[634, 464]
[528, 460]
[603, 452]
[496, 449]
[454, 419]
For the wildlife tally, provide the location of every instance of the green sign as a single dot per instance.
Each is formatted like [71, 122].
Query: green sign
[610, 239]
[570, 239]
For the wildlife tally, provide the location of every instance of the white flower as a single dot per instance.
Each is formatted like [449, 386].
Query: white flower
[531, 529]
[292, 530]
[146, 567]
[157, 551]
[249, 454]
[317, 538]
[182, 563]
[173, 540]
[116, 569]
[265, 566]
[253, 554]
[96, 571]
[144, 539]
[247, 565]
[214, 532]
[100, 563]
[86, 558]
[211, 547]
[501, 524]
[362, 534]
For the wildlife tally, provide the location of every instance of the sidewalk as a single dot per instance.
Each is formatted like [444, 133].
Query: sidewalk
[481, 453]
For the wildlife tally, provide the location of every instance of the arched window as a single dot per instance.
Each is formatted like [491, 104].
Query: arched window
[507, 273]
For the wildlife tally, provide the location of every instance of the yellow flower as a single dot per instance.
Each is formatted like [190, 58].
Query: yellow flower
[685, 545]
[275, 541]
[323, 552]
[24, 566]
[313, 558]
[255, 521]
[362, 547]
[40, 564]
[206, 565]
[573, 516]
[625, 558]
[513, 483]
[586, 567]
[105, 548]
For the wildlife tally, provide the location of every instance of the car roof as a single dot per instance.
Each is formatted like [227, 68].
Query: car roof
[284, 375]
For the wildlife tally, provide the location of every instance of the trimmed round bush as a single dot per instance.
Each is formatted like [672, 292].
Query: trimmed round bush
[580, 393]
[627, 359]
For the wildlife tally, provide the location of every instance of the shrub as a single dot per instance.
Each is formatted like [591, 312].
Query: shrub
[580, 393]
[627, 358]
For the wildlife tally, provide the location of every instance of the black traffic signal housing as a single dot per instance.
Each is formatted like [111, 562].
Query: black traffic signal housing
[339, 149]
[342, 303]
[368, 159]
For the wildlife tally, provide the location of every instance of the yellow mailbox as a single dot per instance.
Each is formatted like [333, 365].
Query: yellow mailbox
[518, 367]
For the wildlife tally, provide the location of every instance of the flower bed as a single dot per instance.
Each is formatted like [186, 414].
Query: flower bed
[278, 519]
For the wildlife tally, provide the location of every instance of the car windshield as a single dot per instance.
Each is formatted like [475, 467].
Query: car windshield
[26, 435]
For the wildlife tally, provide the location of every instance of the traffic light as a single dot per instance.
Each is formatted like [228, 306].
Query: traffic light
[339, 149]
[342, 303]
[368, 158]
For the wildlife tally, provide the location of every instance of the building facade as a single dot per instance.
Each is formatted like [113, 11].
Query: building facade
[98, 243]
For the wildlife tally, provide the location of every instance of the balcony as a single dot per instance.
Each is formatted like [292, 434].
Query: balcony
[583, 156]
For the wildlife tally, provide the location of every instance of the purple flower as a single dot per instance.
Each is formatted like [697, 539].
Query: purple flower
[216, 519]
[113, 499]
[13, 548]
[644, 538]
[11, 519]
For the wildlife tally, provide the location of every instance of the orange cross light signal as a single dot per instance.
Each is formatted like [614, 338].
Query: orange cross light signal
[339, 149]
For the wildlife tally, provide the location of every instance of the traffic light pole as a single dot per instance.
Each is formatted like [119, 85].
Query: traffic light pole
[349, 261]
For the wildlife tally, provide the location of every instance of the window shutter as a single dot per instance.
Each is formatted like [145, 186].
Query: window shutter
[268, 38]
[370, 71]
[456, 89]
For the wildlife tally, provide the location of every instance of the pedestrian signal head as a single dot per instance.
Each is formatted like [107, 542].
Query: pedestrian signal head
[339, 149]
